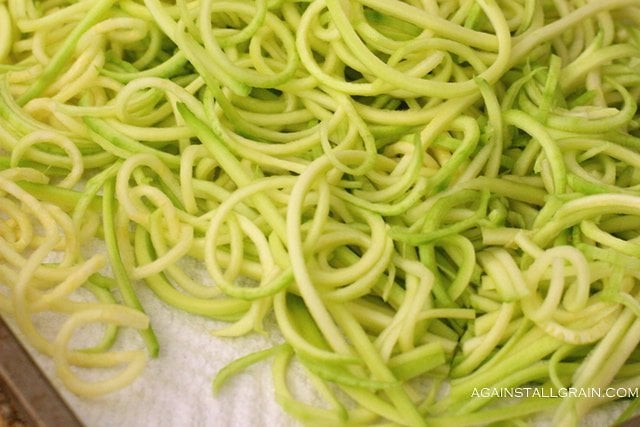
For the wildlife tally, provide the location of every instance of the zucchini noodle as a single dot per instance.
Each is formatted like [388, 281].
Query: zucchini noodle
[429, 197]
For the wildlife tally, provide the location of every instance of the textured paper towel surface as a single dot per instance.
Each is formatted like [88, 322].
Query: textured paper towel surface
[175, 389]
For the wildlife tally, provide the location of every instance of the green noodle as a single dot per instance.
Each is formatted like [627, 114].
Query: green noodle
[429, 197]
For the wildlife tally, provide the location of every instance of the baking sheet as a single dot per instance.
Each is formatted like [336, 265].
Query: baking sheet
[27, 392]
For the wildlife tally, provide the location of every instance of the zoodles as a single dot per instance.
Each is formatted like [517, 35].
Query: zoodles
[429, 197]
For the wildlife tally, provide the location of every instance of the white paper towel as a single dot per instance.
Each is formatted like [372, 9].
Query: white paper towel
[175, 389]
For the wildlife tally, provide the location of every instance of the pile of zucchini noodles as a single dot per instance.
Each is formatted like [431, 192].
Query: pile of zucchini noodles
[431, 197]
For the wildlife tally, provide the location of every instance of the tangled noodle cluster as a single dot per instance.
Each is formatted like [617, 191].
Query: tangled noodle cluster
[420, 192]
